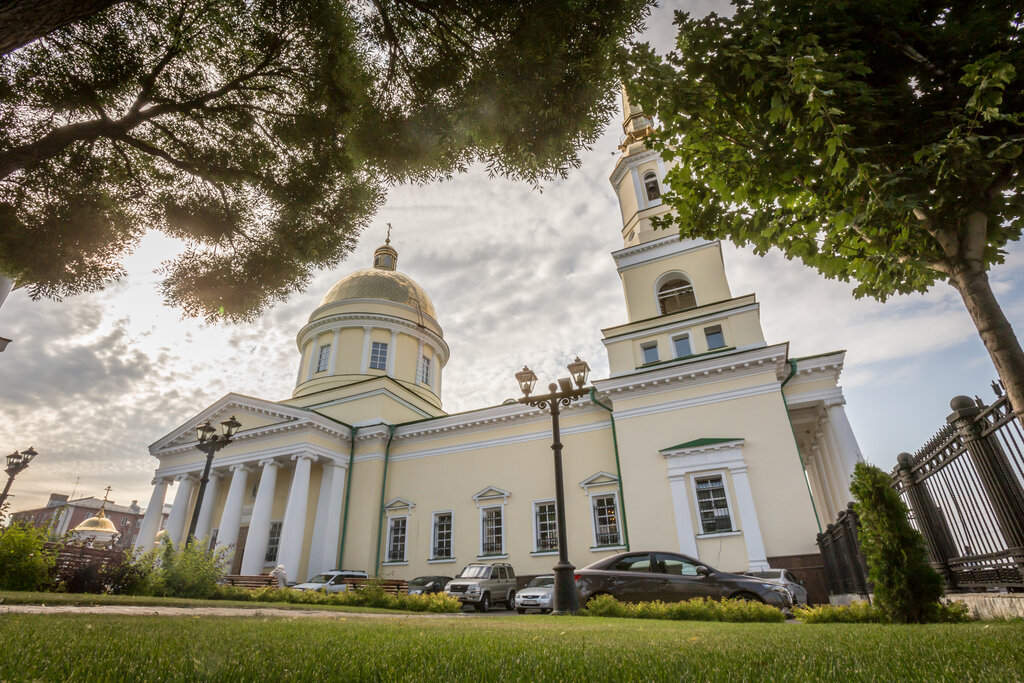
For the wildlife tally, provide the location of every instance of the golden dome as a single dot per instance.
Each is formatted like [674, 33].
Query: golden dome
[97, 524]
[380, 283]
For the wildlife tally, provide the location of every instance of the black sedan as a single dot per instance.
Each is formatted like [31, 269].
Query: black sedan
[670, 577]
[428, 584]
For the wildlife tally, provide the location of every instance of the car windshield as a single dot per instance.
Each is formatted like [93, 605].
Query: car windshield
[422, 580]
[766, 575]
[475, 571]
[541, 581]
[321, 578]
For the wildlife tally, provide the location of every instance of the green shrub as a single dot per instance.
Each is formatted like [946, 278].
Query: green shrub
[854, 613]
[189, 571]
[698, 609]
[906, 587]
[25, 561]
[371, 596]
[133, 575]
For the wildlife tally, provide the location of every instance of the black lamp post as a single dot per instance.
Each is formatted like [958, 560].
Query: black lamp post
[16, 462]
[210, 442]
[566, 599]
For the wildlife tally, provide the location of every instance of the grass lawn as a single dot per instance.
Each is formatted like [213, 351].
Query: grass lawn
[29, 598]
[528, 648]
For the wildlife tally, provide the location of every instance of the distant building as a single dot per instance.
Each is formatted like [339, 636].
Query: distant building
[62, 515]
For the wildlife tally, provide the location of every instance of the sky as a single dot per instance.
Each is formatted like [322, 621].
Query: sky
[518, 276]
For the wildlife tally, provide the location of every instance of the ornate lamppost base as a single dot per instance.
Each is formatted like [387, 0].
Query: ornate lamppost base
[566, 598]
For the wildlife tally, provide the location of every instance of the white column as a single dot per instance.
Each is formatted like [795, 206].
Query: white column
[254, 558]
[317, 562]
[231, 518]
[364, 363]
[206, 511]
[756, 556]
[842, 432]
[151, 520]
[641, 196]
[840, 478]
[332, 528]
[179, 511]
[419, 364]
[684, 520]
[392, 352]
[822, 490]
[331, 369]
[294, 525]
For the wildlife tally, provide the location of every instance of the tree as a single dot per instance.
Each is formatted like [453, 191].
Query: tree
[907, 589]
[265, 133]
[877, 141]
[25, 561]
[22, 21]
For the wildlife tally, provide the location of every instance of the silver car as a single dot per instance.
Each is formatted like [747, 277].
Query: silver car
[786, 578]
[332, 581]
[538, 594]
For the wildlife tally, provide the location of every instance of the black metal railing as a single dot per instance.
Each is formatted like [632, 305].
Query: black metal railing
[548, 542]
[846, 571]
[492, 548]
[608, 538]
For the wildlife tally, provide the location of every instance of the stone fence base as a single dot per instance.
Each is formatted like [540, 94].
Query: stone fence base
[992, 605]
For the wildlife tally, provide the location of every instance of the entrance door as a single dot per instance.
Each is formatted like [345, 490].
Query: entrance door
[236, 564]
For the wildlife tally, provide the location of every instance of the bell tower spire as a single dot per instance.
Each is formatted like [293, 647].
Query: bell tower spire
[635, 124]
[638, 177]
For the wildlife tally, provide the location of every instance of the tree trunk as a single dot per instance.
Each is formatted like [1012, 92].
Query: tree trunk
[995, 330]
[22, 21]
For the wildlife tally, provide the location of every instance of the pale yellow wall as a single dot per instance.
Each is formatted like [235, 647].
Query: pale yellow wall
[350, 351]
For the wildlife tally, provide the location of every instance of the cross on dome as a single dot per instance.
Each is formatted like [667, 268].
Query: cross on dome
[385, 257]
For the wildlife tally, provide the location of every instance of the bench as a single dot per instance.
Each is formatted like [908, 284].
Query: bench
[392, 586]
[251, 580]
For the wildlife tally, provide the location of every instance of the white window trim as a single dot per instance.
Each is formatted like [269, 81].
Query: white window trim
[644, 346]
[726, 481]
[504, 530]
[680, 335]
[405, 546]
[387, 355]
[666, 277]
[593, 520]
[721, 331]
[277, 557]
[433, 529]
[537, 551]
[643, 184]
[320, 360]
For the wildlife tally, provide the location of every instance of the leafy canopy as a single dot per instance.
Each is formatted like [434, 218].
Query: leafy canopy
[265, 133]
[876, 140]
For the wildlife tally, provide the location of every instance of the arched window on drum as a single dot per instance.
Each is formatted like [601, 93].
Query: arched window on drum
[676, 295]
[651, 186]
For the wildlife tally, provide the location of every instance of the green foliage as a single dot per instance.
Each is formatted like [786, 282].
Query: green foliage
[133, 575]
[265, 133]
[854, 613]
[906, 587]
[698, 609]
[25, 562]
[368, 596]
[188, 571]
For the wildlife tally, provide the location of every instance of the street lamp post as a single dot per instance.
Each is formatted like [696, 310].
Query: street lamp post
[16, 462]
[566, 599]
[210, 442]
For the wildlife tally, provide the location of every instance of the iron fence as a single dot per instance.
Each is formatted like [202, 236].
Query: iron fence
[846, 571]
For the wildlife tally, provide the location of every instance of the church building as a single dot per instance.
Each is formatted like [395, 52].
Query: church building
[705, 438]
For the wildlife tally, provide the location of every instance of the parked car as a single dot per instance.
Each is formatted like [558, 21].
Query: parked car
[538, 594]
[786, 578]
[428, 584]
[643, 576]
[481, 585]
[332, 581]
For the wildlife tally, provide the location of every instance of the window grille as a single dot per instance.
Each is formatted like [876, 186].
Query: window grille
[713, 506]
[442, 536]
[379, 356]
[547, 527]
[424, 370]
[492, 531]
[324, 359]
[606, 520]
[273, 542]
[396, 540]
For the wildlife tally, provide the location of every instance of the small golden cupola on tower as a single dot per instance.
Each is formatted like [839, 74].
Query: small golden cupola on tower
[385, 257]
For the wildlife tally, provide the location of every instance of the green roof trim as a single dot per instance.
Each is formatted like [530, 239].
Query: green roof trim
[819, 355]
[697, 443]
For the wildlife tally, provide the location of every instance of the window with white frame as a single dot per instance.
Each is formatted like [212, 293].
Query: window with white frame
[396, 538]
[676, 295]
[545, 523]
[441, 548]
[379, 356]
[716, 339]
[606, 519]
[649, 351]
[424, 373]
[681, 346]
[492, 530]
[651, 186]
[712, 505]
[324, 358]
[273, 542]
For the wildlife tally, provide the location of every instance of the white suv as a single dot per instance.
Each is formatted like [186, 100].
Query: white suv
[481, 585]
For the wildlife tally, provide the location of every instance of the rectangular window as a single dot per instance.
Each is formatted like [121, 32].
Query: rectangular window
[713, 505]
[273, 542]
[606, 520]
[324, 358]
[546, 526]
[442, 536]
[681, 345]
[492, 531]
[650, 352]
[716, 339]
[424, 370]
[379, 356]
[396, 539]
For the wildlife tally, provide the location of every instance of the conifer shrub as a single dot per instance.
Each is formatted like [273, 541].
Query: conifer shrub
[26, 563]
[907, 589]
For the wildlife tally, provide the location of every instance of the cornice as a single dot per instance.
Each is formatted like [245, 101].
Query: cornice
[385, 302]
[679, 323]
[381, 320]
[280, 454]
[818, 367]
[628, 161]
[655, 250]
[313, 422]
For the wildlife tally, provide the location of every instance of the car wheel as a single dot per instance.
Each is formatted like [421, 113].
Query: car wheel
[484, 604]
[510, 601]
[521, 610]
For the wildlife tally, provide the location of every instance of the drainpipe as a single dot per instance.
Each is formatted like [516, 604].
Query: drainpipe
[383, 485]
[618, 467]
[792, 373]
[348, 489]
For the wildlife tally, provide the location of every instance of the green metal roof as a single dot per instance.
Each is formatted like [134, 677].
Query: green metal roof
[697, 443]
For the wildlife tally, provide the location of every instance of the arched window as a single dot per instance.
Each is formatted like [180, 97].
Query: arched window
[676, 295]
[651, 185]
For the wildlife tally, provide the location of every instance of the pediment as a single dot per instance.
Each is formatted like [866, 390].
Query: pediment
[253, 413]
[491, 493]
[399, 504]
[599, 479]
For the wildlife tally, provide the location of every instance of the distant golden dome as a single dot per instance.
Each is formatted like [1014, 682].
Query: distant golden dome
[98, 524]
[380, 283]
